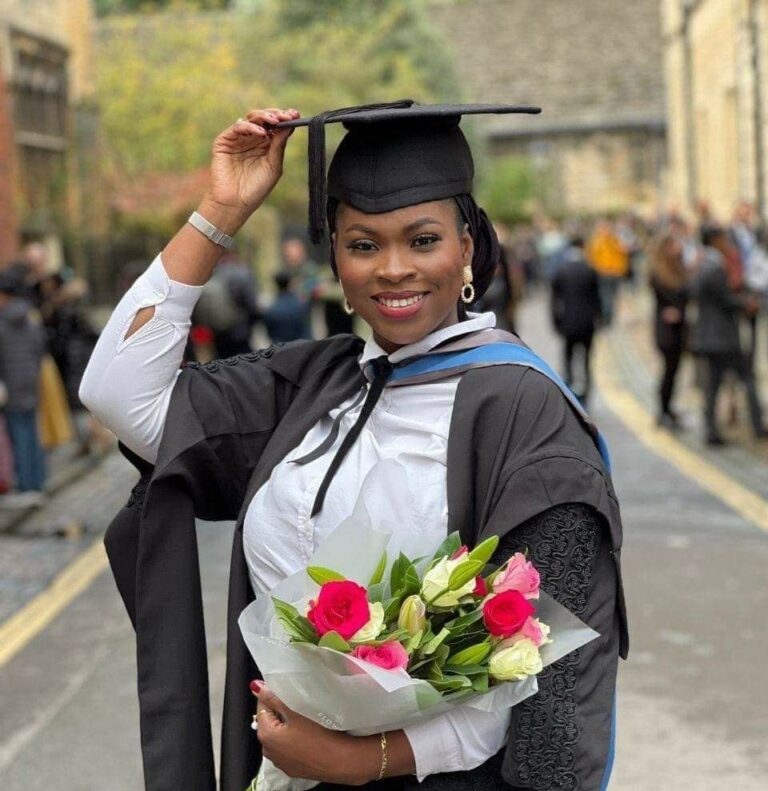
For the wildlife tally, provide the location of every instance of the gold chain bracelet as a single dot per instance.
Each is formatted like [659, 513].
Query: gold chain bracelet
[383, 756]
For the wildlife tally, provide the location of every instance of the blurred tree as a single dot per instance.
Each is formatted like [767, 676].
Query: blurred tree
[168, 85]
[165, 91]
[107, 7]
[511, 189]
[319, 54]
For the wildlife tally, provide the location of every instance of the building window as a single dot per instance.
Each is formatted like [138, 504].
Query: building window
[38, 87]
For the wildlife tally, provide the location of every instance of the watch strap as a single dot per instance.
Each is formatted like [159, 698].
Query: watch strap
[209, 230]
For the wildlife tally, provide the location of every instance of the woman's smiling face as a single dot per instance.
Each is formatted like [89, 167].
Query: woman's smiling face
[402, 271]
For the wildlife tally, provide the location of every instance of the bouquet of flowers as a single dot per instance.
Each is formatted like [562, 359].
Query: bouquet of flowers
[363, 641]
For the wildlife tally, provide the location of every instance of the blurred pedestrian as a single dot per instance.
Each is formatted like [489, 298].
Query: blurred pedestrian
[328, 291]
[7, 477]
[609, 258]
[576, 313]
[287, 318]
[524, 252]
[669, 283]
[499, 298]
[71, 339]
[306, 279]
[240, 284]
[552, 244]
[716, 334]
[22, 346]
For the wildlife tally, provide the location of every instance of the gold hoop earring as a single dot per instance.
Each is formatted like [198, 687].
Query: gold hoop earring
[348, 309]
[467, 290]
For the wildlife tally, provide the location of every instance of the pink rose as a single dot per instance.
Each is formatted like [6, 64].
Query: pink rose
[518, 575]
[462, 550]
[390, 656]
[481, 587]
[341, 606]
[532, 629]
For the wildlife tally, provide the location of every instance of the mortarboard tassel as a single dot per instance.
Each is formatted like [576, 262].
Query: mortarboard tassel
[316, 162]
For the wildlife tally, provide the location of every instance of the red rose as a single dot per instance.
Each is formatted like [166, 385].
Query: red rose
[340, 607]
[481, 589]
[506, 613]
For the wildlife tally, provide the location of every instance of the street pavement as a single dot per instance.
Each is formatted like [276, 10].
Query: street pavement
[693, 700]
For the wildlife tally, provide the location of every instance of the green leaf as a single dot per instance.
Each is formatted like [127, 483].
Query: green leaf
[411, 582]
[449, 546]
[473, 655]
[480, 683]
[465, 670]
[392, 607]
[321, 575]
[376, 592]
[457, 625]
[284, 609]
[451, 683]
[441, 654]
[378, 574]
[484, 551]
[432, 645]
[435, 673]
[336, 641]
[412, 643]
[295, 624]
[464, 572]
[398, 571]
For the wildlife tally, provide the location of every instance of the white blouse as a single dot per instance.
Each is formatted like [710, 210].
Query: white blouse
[128, 385]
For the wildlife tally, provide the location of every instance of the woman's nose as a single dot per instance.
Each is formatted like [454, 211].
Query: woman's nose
[395, 267]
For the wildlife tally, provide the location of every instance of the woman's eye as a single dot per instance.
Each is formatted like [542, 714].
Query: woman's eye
[425, 239]
[362, 245]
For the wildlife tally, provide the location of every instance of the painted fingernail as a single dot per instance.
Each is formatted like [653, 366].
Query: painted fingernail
[256, 686]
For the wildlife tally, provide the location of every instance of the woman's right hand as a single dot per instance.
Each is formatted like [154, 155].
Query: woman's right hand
[247, 160]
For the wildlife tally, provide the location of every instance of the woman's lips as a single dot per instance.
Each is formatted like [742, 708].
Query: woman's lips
[401, 305]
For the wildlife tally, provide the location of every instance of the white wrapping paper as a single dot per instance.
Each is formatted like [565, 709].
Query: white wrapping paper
[344, 693]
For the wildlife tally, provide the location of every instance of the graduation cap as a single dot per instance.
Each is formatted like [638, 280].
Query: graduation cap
[393, 155]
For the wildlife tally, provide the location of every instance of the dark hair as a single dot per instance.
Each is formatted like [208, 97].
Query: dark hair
[487, 252]
[711, 233]
[283, 280]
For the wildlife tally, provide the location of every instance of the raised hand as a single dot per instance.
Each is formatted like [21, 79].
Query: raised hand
[247, 160]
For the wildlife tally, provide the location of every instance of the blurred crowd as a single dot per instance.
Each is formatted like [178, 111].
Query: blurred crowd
[306, 302]
[708, 280]
[45, 343]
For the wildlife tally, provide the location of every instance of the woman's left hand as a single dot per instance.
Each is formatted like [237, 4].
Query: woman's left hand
[302, 748]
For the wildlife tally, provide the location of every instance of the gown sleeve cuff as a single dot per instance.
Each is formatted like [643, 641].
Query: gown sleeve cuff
[173, 300]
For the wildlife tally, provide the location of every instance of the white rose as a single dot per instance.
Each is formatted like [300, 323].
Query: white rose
[436, 580]
[516, 661]
[374, 626]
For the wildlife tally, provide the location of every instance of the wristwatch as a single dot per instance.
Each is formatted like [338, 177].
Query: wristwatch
[209, 230]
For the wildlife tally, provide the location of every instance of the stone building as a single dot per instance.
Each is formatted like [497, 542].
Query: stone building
[595, 68]
[716, 62]
[46, 71]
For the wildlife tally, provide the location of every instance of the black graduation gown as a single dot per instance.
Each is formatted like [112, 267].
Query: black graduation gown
[515, 449]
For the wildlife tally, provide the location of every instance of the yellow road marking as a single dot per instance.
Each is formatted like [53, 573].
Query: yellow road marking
[639, 421]
[28, 622]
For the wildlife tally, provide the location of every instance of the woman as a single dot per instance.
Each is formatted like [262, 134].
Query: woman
[282, 441]
[668, 279]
